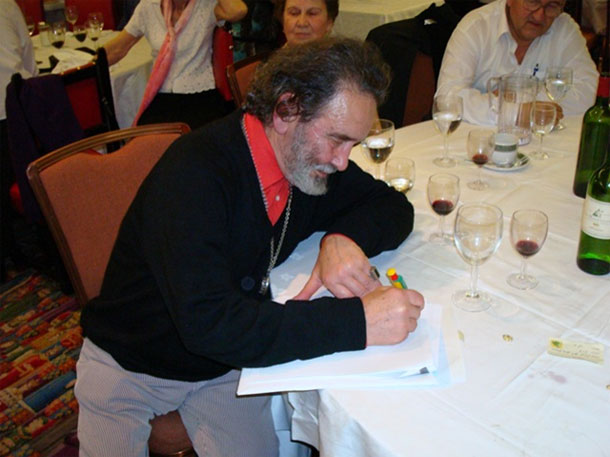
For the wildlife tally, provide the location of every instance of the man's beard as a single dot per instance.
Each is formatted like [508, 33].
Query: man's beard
[301, 166]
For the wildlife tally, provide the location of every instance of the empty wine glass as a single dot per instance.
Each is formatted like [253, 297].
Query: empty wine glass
[97, 17]
[71, 14]
[528, 229]
[443, 195]
[93, 31]
[542, 120]
[57, 34]
[400, 174]
[379, 143]
[447, 114]
[477, 235]
[557, 82]
[480, 146]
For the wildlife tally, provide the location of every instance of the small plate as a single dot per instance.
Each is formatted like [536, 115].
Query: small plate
[521, 162]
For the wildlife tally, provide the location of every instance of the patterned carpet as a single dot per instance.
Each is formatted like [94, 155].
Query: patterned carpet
[40, 339]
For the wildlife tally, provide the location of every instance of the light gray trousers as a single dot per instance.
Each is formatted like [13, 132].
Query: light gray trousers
[116, 406]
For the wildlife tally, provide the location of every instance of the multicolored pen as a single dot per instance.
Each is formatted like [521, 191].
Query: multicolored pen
[396, 279]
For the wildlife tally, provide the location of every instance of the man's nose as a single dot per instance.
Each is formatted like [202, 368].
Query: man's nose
[341, 157]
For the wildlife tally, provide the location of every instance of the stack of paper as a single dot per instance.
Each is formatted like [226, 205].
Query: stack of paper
[430, 356]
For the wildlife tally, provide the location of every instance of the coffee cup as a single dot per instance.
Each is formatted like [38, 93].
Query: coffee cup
[505, 150]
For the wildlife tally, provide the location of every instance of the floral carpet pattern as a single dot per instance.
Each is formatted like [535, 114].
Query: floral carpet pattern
[40, 339]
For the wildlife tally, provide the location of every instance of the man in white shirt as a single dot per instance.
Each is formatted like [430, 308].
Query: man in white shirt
[515, 36]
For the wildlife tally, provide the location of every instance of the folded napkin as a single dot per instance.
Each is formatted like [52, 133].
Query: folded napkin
[70, 58]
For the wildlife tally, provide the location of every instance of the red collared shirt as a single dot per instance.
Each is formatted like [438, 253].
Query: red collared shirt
[275, 186]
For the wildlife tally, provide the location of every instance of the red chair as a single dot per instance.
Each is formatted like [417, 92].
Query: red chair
[106, 7]
[32, 8]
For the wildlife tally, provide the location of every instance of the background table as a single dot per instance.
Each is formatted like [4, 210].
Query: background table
[357, 17]
[517, 399]
[128, 77]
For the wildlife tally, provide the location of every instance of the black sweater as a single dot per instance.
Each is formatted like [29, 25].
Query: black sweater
[180, 294]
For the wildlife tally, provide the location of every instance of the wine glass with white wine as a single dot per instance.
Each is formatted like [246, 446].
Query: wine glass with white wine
[379, 143]
[447, 113]
[557, 83]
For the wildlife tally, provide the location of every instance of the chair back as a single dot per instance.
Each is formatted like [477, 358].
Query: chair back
[240, 75]
[222, 56]
[106, 7]
[32, 8]
[85, 195]
[90, 94]
[50, 111]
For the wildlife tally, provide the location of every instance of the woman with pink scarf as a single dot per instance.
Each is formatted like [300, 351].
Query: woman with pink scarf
[181, 87]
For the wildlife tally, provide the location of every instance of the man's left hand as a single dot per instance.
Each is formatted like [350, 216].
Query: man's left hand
[342, 267]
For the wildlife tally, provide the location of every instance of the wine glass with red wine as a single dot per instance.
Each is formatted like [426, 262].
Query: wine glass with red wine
[528, 229]
[443, 195]
[57, 34]
[480, 145]
[379, 143]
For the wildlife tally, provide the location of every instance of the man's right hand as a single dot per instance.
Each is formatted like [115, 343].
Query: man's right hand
[391, 314]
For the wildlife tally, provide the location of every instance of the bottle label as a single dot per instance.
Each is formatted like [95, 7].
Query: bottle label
[596, 218]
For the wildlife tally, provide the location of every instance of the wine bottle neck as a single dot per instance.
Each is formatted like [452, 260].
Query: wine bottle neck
[603, 89]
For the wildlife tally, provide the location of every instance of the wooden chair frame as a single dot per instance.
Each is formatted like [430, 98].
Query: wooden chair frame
[35, 168]
[239, 85]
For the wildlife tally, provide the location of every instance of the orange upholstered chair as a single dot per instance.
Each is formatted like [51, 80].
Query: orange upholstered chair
[240, 74]
[83, 197]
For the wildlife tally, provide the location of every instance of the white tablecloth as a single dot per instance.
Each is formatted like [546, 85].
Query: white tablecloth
[357, 17]
[128, 77]
[517, 399]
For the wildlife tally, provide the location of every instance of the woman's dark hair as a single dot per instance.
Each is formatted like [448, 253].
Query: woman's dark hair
[332, 9]
[312, 74]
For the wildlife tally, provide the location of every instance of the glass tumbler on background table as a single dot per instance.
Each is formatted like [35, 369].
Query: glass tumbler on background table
[443, 195]
[528, 230]
[447, 111]
[400, 174]
[94, 30]
[477, 235]
[379, 144]
[80, 33]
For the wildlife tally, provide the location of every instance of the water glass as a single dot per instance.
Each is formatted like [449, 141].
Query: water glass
[400, 174]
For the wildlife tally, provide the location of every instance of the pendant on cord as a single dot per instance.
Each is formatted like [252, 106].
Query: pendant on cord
[264, 285]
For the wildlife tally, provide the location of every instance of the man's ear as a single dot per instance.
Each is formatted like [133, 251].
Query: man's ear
[285, 113]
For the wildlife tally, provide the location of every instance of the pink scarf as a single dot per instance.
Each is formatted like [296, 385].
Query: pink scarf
[166, 54]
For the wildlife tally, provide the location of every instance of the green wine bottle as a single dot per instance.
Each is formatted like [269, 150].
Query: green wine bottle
[594, 245]
[593, 138]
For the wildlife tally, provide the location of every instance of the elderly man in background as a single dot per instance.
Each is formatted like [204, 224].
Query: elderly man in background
[186, 302]
[515, 36]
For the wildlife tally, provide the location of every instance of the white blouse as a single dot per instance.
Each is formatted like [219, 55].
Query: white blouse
[191, 70]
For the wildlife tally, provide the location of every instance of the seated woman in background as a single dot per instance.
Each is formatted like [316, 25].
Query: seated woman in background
[181, 87]
[306, 20]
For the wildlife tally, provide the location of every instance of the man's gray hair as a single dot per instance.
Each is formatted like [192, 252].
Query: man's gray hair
[312, 74]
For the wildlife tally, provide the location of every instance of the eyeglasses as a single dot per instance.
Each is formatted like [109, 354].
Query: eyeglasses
[552, 9]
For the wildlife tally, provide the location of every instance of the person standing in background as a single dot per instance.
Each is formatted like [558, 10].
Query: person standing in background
[181, 87]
